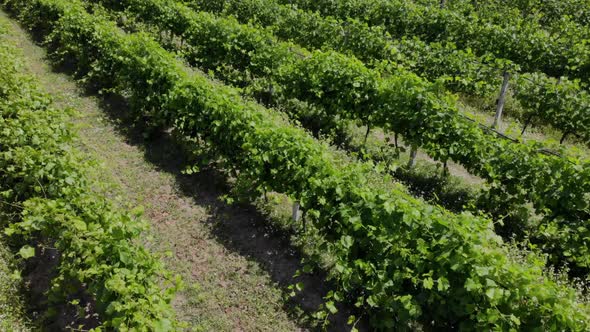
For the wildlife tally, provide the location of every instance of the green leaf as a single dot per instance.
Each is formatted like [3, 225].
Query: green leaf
[347, 241]
[442, 284]
[471, 285]
[491, 293]
[163, 325]
[138, 210]
[79, 224]
[299, 286]
[515, 320]
[27, 252]
[428, 283]
[125, 258]
[15, 275]
[9, 231]
[351, 319]
[331, 307]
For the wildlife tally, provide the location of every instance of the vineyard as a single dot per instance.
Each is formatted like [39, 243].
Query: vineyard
[410, 165]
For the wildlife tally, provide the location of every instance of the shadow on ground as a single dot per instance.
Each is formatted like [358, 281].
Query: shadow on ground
[240, 228]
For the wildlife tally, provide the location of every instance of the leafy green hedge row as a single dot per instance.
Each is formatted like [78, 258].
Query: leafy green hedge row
[555, 10]
[551, 14]
[403, 103]
[526, 44]
[12, 315]
[395, 257]
[44, 184]
[561, 103]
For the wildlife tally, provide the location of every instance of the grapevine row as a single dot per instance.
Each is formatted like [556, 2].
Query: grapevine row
[548, 13]
[43, 181]
[512, 15]
[403, 103]
[532, 48]
[555, 10]
[561, 103]
[398, 258]
[12, 313]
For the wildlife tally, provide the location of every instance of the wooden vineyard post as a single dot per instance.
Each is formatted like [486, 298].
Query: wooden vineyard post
[526, 124]
[445, 170]
[296, 211]
[367, 135]
[298, 214]
[563, 137]
[270, 94]
[412, 161]
[501, 100]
